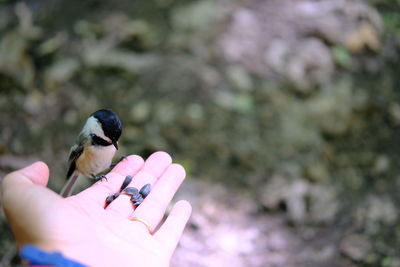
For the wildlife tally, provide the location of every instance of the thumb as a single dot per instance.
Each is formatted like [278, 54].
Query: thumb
[24, 198]
[36, 173]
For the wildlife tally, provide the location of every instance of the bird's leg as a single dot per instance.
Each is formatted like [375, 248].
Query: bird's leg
[103, 176]
[99, 177]
[115, 163]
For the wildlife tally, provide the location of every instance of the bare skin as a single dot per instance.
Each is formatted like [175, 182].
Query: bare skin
[82, 228]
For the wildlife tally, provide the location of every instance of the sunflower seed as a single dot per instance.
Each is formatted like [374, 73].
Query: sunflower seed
[137, 199]
[131, 191]
[127, 180]
[111, 198]
[145, 191]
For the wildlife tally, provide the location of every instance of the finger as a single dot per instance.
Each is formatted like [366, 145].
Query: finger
[152, 169]
[124, 167]
[37, 173]
[170, 232]
[100, 190]
[25, 186]
[153, 208]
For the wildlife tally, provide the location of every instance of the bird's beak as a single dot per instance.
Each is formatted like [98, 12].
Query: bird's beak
[115, 143]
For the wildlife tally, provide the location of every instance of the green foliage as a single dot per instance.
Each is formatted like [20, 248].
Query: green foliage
[341, 56]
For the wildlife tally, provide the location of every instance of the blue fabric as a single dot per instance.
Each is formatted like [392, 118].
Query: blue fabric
[36, 256]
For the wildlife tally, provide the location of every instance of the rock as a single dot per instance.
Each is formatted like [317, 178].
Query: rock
[293, 39]
[295, 200]
[376, 213]
[273, 192]
[323, 204]
[355, 246]
[305, 63]
[305, 202]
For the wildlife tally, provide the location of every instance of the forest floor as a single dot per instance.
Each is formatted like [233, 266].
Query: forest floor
[229, 230]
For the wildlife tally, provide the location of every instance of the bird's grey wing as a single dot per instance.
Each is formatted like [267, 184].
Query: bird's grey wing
[76, 151]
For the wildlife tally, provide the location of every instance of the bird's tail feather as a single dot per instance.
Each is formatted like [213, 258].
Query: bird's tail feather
[70, 185]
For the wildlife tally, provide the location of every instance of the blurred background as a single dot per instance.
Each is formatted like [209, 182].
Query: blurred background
[285, 114]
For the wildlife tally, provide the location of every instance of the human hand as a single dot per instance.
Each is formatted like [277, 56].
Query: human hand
[82, 228]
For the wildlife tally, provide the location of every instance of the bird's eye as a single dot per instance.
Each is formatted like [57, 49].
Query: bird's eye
[98, 141]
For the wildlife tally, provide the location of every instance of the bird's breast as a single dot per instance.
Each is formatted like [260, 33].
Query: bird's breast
[95, 159]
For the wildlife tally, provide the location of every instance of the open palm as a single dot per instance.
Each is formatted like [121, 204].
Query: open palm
[82, 228]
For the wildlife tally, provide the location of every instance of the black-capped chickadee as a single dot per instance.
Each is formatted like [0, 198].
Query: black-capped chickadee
[94, 149]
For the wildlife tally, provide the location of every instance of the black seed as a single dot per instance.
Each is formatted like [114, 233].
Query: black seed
[145, 191]
[131, 191]
[136, 199]
[137, 202]
[109, 199]
[127, 180]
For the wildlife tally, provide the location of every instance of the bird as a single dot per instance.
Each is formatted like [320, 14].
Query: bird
[94, 149]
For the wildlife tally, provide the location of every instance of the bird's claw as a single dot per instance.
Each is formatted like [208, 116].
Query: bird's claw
[100, 177]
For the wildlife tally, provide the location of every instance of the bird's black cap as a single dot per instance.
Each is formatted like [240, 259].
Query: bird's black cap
[110, 123]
